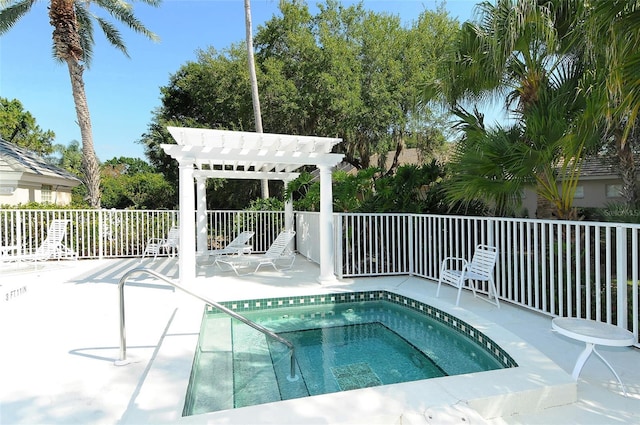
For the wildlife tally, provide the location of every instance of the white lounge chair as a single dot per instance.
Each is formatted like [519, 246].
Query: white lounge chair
[51, 247]
[239, 245]
[455, 271]
[278, 252]
[169, 245]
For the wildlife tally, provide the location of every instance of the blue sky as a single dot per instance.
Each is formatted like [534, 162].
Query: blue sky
[122, 92]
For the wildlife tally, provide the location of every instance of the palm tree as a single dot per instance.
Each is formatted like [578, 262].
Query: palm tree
[610, 31]
[479, 165]
[516, 52]
[72, 22]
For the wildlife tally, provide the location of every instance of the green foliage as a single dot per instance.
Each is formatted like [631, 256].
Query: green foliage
[19, 127]
[528, 54]
[268, 204]
[482, 170]
[305, 192]
[350, 191]
[138, 191]
[132, 183]
[42, 206]
[70, 157]
[345, 72]
[129, 166]
[413, 189]
[232, 194]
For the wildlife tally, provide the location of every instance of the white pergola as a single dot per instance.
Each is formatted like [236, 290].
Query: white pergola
[205, 153]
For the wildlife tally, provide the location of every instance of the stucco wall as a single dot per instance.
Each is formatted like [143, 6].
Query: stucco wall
[594, 195]
[24, 195]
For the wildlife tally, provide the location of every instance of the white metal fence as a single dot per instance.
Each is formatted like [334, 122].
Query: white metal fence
[564, 268]
[124, 233]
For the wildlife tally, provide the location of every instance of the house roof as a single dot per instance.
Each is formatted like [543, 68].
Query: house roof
[602, 166]
[595, 166]
[14, 159]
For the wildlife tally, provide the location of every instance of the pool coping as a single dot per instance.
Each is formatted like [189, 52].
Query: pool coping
[537, 383]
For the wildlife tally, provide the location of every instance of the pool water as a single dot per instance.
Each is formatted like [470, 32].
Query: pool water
[339, 347]
[356, 356]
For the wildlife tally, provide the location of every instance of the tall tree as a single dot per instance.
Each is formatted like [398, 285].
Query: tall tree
[255, 96]
[72, 22]
[19, 127]
[344, 72]
[352, 73]
[609, 31]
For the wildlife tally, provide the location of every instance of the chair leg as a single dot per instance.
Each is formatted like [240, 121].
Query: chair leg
[472, 284]
[459, 292]
[492, 287]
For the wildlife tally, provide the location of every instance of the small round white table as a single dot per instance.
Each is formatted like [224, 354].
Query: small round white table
[593, 333]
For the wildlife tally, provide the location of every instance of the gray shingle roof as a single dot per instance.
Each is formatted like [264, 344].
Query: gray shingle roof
[602, 166]
[14, 158]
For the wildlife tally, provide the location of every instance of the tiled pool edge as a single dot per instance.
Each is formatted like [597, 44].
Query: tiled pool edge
[451, 321]
[536, 384]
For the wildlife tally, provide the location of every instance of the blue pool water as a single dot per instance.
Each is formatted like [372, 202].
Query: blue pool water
[342, 343]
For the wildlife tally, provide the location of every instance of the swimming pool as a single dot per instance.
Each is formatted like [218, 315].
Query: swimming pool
[343, 341]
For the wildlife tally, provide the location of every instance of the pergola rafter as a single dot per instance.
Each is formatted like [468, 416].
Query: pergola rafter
[206, 153]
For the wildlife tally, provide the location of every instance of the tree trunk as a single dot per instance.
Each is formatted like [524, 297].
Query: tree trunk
[628, 170]
[90, 165]
[254, 83]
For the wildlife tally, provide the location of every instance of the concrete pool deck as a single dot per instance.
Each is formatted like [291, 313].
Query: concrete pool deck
[60, 338]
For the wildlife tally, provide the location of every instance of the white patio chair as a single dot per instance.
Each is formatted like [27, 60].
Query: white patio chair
[51, 247]
[239, 245]
[169, 245]
[455, 271]
[278, 252]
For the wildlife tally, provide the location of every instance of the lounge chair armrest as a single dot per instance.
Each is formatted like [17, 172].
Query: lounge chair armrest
[457, 263]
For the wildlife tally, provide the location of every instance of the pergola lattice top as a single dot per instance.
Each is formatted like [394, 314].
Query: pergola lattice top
[247, 155]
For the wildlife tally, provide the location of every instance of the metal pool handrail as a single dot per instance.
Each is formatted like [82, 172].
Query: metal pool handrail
[140, 270]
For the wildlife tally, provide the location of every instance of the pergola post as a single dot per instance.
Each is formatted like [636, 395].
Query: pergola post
[288, 208]
[186, 259]
[201, 224]
[326, 226]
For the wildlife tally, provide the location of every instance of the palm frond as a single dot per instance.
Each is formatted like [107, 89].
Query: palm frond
[85, 31]
[487, 167]
[123, 12]
[113, 35]
[11, 14]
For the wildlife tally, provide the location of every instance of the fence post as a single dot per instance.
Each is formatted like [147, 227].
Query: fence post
[621, 277]
[337, 237]
[411, 252]
[19, 220]
[101, 234]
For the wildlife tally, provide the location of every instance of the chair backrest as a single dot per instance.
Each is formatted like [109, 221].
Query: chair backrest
[56, 233]
[173, 238]
[241, 240]
[484, 260]
[279, 245]
[57, 230]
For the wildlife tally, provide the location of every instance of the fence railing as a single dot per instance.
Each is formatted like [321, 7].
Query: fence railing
[561, 268]
[124, 233]
[565, 268]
